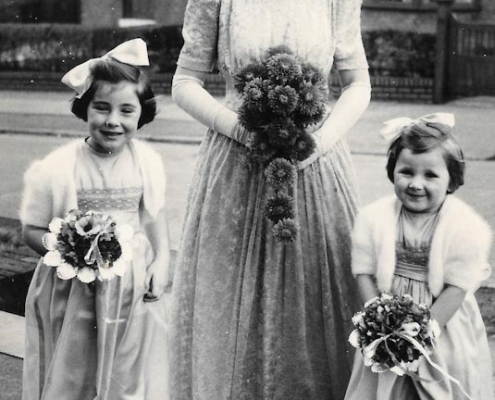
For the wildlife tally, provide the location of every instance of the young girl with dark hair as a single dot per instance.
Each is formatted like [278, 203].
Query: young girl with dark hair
[108, 341]
[429, 244]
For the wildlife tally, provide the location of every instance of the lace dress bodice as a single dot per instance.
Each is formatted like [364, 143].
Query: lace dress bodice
[234, 33]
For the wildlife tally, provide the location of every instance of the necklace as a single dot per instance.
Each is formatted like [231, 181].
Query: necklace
[100, 151]
[104, 162]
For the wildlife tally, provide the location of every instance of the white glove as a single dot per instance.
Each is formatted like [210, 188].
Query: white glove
[353, 101]
[189, 93]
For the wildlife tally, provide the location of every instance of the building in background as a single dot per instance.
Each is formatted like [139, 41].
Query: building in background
[407, 15]
[94, 13]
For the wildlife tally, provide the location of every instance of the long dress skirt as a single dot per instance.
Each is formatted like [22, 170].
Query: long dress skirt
[100, 343]
[253, 318]
[461, 351]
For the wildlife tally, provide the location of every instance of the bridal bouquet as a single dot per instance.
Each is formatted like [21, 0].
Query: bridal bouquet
[393, 332]
[281, 97]
[87, 245]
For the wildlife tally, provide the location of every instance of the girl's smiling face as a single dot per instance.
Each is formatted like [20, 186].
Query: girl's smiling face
[421, 180]
[113, 116]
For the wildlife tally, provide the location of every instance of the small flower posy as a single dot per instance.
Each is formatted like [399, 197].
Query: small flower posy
[282, 96]
[393, 332]
[87, 246]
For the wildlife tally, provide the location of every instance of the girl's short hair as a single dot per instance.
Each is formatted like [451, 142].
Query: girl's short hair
[114, 72]
[421, 137]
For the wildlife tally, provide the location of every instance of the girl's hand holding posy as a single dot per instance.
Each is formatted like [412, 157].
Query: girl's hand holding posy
[156, 280]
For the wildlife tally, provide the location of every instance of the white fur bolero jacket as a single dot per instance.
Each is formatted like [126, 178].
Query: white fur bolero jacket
[50, 191]
[459, 249]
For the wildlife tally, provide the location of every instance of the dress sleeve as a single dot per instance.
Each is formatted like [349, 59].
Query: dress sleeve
[466, 264]
[37, 198]
[349, 53]
[200, 33]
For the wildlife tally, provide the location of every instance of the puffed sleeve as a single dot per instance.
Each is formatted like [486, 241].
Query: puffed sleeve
[363, 256]
[466, 264]
[37, 198]
[200, 33]
[349, 52]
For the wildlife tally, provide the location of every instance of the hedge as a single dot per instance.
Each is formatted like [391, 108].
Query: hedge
[57, 48]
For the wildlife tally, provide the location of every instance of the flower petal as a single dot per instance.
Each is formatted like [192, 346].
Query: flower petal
[354, 339]
[52, 258]
[411, 328]
[50, 241]
[86, 274]
[358, 318]
[66, 271]
[397, 370]
[55, 225]
[106, 274]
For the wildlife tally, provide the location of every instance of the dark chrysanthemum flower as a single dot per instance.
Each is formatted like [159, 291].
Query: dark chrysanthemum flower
[259, 149]
[285, 230]
[313, 75]
[282, 99]
[280, 173]
[252, 116]
[253, 91]
[304, 146]
[280, 206]
[281, 132]
[247, 74]
[283, 68]
[311, 100]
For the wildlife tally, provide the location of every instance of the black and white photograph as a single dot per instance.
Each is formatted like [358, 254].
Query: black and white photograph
[247, 199]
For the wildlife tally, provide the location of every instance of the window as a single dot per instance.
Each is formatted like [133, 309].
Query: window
[420, 5]
[38, 11]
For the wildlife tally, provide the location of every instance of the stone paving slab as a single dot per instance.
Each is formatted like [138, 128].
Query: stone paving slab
[12, 334]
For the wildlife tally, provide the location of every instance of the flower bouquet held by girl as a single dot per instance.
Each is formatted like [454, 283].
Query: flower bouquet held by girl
[282, 97]
[87, 245]
[393, 332]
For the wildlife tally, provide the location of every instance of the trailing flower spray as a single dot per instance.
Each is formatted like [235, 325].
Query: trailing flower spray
[282, 96]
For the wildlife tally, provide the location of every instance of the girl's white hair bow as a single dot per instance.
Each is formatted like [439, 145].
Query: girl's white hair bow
[393, 128]
[132, 52]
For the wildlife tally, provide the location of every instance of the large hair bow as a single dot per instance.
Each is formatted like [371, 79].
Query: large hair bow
[395, 127]
[132, 52]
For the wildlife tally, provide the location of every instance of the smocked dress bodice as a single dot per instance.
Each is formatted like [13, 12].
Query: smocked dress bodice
[412, 249]
[111, 184]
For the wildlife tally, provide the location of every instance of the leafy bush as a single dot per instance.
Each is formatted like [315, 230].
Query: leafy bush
[57, 48]
[400, 54]
[44, 47]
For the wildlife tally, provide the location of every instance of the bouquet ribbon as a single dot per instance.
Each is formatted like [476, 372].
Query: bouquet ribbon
[373, 345]
[94, 254]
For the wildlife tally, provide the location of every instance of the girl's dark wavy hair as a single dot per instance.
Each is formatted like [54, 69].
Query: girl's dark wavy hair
[114, 72]
[421, 137]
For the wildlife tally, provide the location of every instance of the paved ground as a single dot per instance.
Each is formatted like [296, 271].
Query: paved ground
[48, 113]
[35, 114]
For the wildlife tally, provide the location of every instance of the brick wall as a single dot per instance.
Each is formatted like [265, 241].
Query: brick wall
[384, 88]
[97, 13]
[378, 19]
[169, 12]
